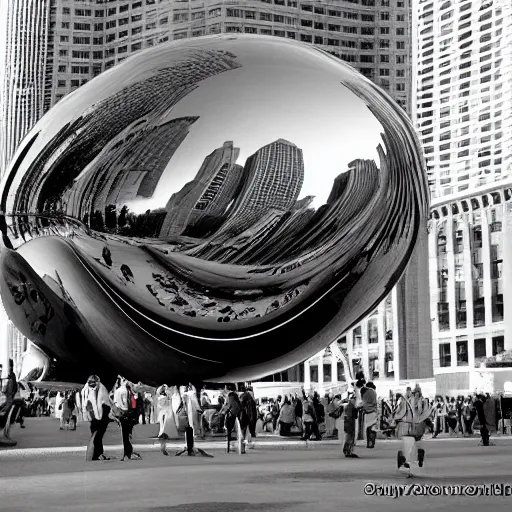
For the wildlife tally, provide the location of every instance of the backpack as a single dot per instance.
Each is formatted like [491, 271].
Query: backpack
[336, 412]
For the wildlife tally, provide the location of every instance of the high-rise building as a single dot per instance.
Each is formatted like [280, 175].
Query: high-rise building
[201, 204]
[271, 182]
[463, 113]
[91, 36]
[463, 88]
[24, 32]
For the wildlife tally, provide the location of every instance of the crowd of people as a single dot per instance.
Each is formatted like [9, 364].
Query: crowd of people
[349, 416]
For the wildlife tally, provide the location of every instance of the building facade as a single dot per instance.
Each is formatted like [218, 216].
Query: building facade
[92, 36]
[463, 89]
[470, 243]
[24, 37]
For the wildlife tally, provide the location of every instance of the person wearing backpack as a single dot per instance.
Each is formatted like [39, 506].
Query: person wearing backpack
[126, 402]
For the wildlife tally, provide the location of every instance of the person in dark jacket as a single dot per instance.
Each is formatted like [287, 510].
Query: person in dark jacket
[232, 410]
[351, 415]
[482, 419]
[251, 410]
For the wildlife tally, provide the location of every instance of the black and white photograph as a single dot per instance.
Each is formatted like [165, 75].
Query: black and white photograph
[253, 255]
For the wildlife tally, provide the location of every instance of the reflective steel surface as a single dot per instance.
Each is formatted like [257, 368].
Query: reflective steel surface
[218, 208]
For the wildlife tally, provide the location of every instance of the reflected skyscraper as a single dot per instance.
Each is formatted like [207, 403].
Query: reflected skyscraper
[271, 183]
[131, 165]
[201, 204]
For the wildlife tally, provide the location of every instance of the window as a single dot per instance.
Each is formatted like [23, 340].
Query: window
[384, 58]
[498, 344]
[62, 69]
[384, 30]
[462, 353]
[400, 31]
[480, 348]
[65, 24]
[82, 26]
[61, 83]
[445, 358]
[400, 45]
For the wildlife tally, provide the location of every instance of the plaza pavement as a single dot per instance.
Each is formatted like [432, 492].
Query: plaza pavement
[264, 480]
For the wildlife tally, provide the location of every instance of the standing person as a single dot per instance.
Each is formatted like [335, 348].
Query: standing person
[231, 410]
[349, 427]
[369, 406]
[141, 409]
[486, 411]
[249, 405]
[438, 417]
[286, 418]
[68, 411]
[400, 417]
[337, 413]
[126, 403]
[163, 403]
[308, 417]
[193, 409]
[467, 416]
[96, 408]
[319, 416]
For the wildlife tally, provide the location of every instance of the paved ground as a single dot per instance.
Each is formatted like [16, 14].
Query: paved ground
[263, 480]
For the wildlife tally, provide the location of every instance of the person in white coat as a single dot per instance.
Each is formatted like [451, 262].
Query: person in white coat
[193, 409]
[166, 418]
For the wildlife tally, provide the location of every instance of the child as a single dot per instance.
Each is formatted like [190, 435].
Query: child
[351, 414]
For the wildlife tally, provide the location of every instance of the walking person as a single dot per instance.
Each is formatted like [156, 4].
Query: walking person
[96, 408]
[412, 431]
[126, 403]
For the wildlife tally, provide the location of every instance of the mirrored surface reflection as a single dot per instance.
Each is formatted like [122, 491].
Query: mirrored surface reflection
[216, 208]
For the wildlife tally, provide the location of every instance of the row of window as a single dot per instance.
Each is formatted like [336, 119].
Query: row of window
[480, 351]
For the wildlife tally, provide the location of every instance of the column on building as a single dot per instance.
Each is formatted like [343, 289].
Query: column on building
[381, 332]
[507, 273]
[434, 284]
[486, 274]
[320, 372]
[468, 284]
[450, 239]
[4, 341]
[334, 370]
[396, 340]
[307, 375]
[364, 348]
[350, 351]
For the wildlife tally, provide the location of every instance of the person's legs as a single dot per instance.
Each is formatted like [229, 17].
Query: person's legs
[409, 448]
[484, 432]
[315, 431]
[348, 448]
[307, 430]
[98, 440]
[230, 425]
